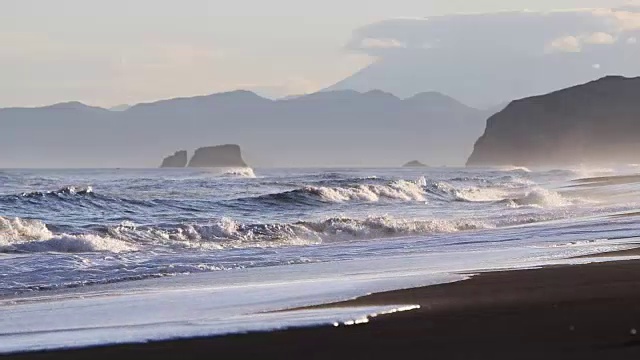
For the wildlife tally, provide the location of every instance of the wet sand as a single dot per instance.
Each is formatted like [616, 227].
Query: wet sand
[568, 312]
[619, 253]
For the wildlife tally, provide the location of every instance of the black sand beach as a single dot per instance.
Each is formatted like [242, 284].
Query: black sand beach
[567, 312]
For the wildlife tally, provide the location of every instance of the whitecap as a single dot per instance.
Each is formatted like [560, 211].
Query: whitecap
[396, 190]
[514, 169]
[540, 197]
[245, 172]
[27, 235]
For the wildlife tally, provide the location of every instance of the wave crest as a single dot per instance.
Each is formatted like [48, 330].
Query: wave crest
[20, 235]
[397, 190]
[344, 228]
[540, 197]
[228, 233]
[26, 235]
[246, 172]
[515, 169]
[469, 193]
[65, 191]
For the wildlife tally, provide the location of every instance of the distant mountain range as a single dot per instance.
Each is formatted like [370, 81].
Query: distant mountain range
[336, 128]
[597, 123]
[482, 82]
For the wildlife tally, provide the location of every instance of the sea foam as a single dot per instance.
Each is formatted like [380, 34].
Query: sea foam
[239, 172]
[22, 235]
[65, 191]
[470, 193]
[26, 235]
[228, 233]
[515, 168]
[398, 190]
[540, 197]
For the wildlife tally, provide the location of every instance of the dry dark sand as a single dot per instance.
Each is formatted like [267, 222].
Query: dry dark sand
[570, 312]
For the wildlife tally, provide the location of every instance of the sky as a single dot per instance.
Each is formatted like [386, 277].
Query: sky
[107, 53]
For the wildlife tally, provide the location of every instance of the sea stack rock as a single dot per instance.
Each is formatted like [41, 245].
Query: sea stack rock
[177, 160]
[595, 123]
[414, 163]
[218, 156]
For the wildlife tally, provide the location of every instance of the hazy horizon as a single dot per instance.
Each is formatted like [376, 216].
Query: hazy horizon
[148, 51]
[482, 54]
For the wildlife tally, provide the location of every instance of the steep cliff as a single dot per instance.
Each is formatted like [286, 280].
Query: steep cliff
[218, 156]
[177, 160]
[594, 123]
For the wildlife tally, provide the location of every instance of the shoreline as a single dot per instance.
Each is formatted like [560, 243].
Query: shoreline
[634, 251]
[559, 312]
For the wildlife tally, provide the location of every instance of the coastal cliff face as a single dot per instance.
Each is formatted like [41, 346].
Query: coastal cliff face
[594, 123]
[218, 156]
[177, 160]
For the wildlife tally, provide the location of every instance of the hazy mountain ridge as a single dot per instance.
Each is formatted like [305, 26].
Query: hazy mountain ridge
[593, 123]
[122, 107]
[342, 128]
[64, 106]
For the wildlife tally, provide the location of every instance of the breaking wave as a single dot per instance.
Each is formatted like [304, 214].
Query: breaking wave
[467, 194]
[398, 190]
[540, 197]
[515, 191]
[65, 191]
[19, 235]
[515, 168]
[239, 172]
[515, 194]
[25, 235]
[228, 233]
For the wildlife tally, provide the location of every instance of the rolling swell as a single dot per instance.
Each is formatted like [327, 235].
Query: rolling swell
[513, 191]
[66, 198]
[84, 197]
[396, 190]
[65, 193]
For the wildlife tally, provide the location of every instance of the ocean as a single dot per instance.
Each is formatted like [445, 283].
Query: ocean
[214, 251]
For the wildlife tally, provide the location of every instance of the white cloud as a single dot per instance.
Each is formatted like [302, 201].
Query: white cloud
[574, 44]
[623, 20]
[596, 66]
[537, 32]
[599, 38]
[568, 44]
[632, 40]
[386, 43]
[500, 55]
